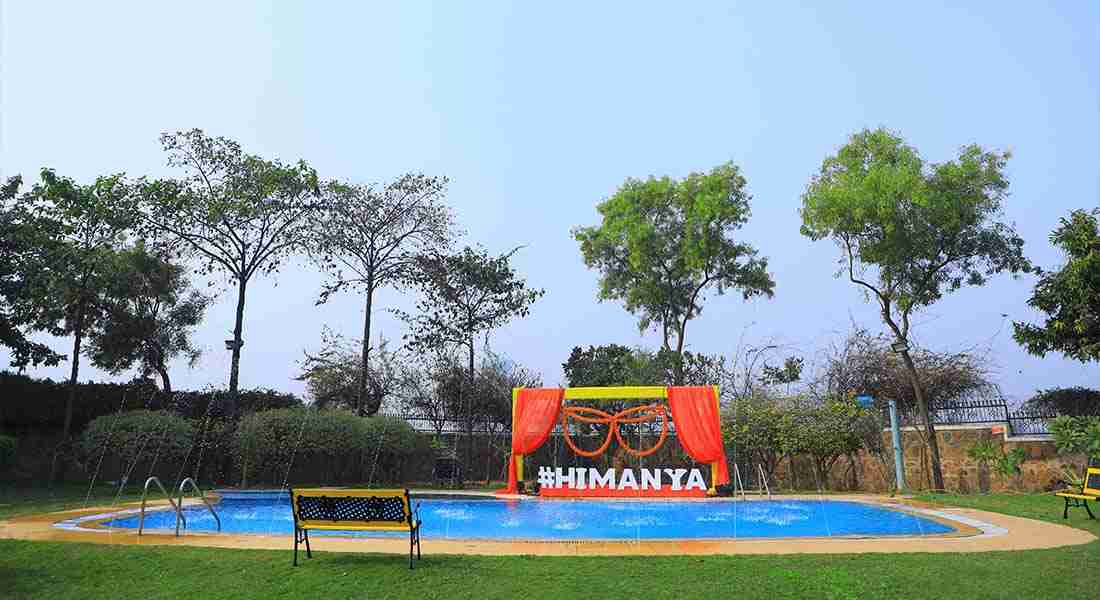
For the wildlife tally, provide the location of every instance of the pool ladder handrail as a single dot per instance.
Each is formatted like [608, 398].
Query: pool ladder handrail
[763, 481]
[737, 481]
[145, 493]
[197, 492]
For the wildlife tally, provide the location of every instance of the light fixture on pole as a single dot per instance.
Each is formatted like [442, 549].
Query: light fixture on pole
[866, 401]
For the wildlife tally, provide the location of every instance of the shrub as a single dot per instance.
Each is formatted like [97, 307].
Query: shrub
[7, 453]
[1077, 435]
[343, 446]
[1008, 464]
[752, 432]
[136, 435]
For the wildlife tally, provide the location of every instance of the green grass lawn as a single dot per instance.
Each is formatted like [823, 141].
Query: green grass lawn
[71, 570]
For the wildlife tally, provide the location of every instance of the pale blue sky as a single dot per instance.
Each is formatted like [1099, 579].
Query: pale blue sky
[537, 113]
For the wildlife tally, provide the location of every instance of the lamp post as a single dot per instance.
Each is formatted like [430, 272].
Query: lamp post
[895, 431]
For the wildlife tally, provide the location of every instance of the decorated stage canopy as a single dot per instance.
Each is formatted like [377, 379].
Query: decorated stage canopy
[535, 412]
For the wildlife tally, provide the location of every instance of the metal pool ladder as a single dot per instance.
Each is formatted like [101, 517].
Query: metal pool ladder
[763, 481]
[145, 493]
[738, 485]
[196, 492]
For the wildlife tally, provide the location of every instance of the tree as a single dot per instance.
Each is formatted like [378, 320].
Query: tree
[1070, 296]
[25, 244]
[427, 384]
[663, 244]
[239, 214]
[86, 225]
[464, 296]
[602, 366]
[333, 376]
[148, 317]
[912, 232]
[824, 431]
[1072, 401]
[369, 239]
[496, 378]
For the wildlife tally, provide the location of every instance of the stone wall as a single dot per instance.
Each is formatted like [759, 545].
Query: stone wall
[1040, 472]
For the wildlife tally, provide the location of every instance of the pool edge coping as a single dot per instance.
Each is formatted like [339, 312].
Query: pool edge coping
[997, 532]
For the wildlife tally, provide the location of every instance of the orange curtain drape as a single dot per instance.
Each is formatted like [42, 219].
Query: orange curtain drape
[695, 413]
[535, 414]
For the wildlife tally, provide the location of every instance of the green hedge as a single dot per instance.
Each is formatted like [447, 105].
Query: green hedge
[140, 435]
[321, 446]
[39, 404]
[7, 453]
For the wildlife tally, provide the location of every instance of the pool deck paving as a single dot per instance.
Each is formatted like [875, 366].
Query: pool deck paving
[976, 531]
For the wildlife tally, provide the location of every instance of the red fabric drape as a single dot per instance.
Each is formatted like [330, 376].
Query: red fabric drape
[695, 413]
[536, 412]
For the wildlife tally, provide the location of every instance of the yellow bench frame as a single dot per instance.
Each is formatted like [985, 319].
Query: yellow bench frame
[1076, 500]
[302, 527]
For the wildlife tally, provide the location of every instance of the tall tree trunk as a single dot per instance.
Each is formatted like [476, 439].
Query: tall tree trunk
[926, 416]
[235, 364]
[469, 420]
[678, 366]
[364, 367]
[165, 382]
[70, 398]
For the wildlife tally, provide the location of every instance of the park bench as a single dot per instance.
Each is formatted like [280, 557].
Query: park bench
[1090, 490]
[337, 509]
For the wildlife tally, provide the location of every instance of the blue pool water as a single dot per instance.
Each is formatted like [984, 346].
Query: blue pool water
[580, 519]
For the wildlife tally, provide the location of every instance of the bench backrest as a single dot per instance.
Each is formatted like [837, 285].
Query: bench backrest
[330, 506]
[1092, 482]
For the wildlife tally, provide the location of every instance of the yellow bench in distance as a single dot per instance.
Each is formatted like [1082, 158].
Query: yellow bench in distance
[1090, 491]
[337, 509]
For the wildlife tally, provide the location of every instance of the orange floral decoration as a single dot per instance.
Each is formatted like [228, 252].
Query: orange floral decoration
[630, 416]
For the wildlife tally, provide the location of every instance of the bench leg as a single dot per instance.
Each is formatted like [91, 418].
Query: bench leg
[295, 546]
[1088, 510]
[412, 536]
[1065, 511]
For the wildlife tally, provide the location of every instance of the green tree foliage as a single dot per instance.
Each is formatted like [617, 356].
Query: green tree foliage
[238, 214]
[824, 432]
[139, 435]
[84, 226]
[911, 232]
[368, 238]
[663, 244]
[464, 296]
[149, 313]
[25, 248]
[606, 366]
[1070, 296]
[1072, 401]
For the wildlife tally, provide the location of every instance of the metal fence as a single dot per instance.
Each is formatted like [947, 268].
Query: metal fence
[1020, 421]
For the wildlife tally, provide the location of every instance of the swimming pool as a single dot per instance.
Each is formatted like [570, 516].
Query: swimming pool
[559, 520]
